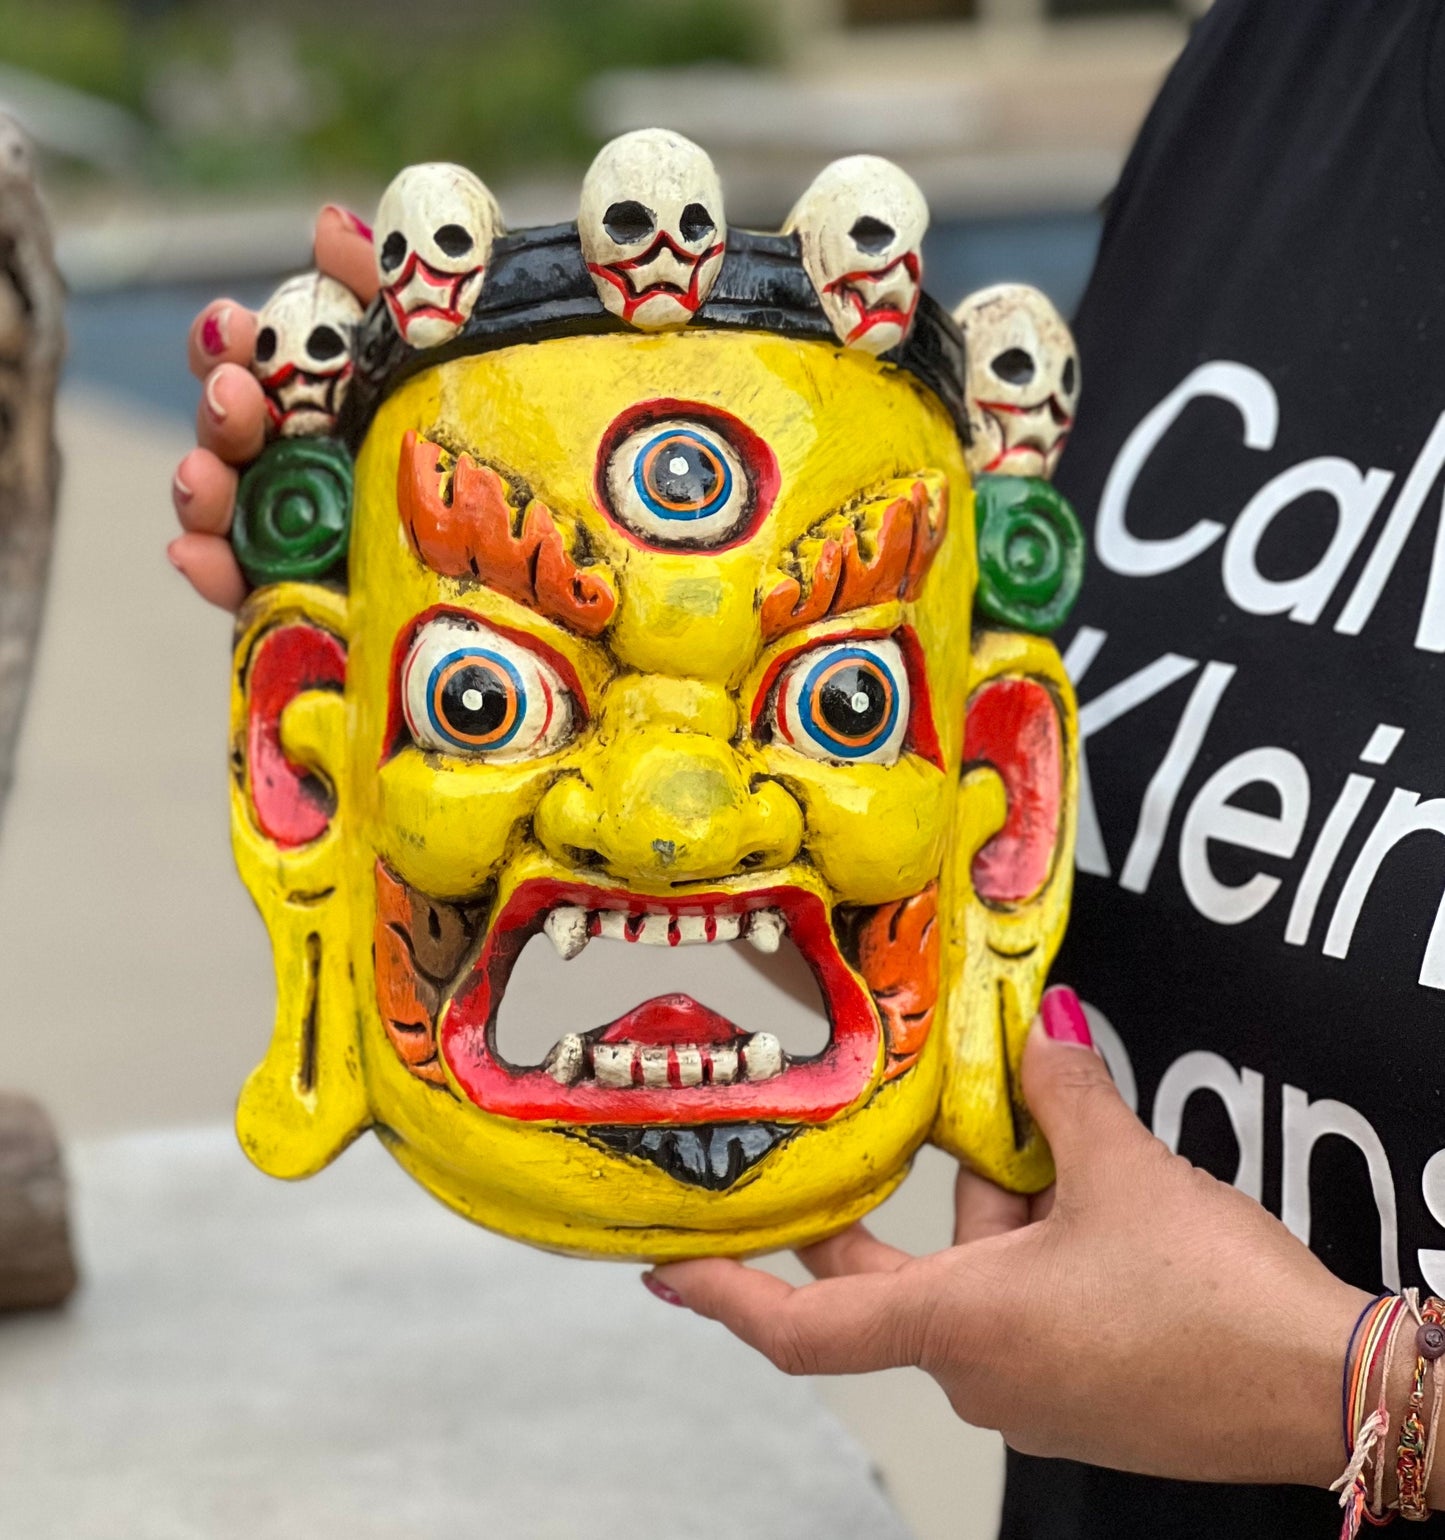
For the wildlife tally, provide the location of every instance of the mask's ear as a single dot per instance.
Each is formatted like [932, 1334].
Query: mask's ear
[305, 1102]
[1011, 878]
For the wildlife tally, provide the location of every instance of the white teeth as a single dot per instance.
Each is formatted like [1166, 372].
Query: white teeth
[654, 1066]
[762, 1057]
[567, 931]
[765, 929]
[724, 1065]
[689, 1066]
[567, 1060]
[612, 1064]
[612, 925]
[648, 929]
[691, 929]
[729, 926]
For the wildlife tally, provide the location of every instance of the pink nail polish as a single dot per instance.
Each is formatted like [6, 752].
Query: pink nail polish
[654, 1285]
[213, 332]
[1063, 1018]
[182, 493]
[352, 221]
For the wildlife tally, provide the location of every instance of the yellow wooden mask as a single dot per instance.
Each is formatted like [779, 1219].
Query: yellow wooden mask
[657, 625]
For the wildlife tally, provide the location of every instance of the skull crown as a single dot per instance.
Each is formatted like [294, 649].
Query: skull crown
[1023, 380]
[304, 340]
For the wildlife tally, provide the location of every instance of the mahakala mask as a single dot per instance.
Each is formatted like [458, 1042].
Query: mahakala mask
[664, 640]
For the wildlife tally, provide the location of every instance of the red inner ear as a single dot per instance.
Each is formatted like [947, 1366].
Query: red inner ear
[292, 806]
[1013, 725]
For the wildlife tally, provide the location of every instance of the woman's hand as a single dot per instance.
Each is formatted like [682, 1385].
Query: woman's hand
[231, 419]
[1142, 1315]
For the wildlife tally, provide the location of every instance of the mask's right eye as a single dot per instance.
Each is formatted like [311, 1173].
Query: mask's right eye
[469, 690]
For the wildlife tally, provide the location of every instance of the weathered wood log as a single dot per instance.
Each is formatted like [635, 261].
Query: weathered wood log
[36, 1264]
[32, 343]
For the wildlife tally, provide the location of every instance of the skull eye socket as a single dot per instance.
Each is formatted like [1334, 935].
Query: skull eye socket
[265, 345]
[678, 484]
[871, 235]
[1014, 366]
[696, 223]
[393, 251]
[1070, 376]
[847, 703]
[453, 240]
[325, 342]
[628, 222]
[471, 691]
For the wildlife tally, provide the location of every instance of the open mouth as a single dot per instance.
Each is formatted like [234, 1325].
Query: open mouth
[887, 296]
[1039, 432]
[670, 1060]
[420, 292]
[664, 270]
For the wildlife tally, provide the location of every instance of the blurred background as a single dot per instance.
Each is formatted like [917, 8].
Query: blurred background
[185, 146]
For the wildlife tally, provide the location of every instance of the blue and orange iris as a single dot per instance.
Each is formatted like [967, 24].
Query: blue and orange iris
[848, 703]
[475, 699]
[679, 475]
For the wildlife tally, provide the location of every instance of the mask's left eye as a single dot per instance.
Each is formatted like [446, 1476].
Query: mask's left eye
[466, 689]
[846, 702]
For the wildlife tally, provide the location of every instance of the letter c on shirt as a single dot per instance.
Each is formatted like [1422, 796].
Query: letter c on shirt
[1243, 387]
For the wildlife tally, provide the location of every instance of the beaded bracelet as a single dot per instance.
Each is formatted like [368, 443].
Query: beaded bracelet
[1411, 1468]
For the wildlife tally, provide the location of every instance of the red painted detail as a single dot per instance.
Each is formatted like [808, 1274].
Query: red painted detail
[447, 285]
[671, 1019]
[870, 316]
[616, 273]
[396, 717]
[1014, 725]
[292, 806]
[760, 464]
[810, 1091]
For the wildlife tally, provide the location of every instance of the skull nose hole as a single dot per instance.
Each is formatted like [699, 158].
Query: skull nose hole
[696, 223]
[393, 251]
[628, 222]
[324, 342]
[1014, 366]
[453, 240]
[1071, 377]
[870, 234]
[265, 344]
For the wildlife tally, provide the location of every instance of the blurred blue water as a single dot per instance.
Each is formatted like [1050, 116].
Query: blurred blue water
[132, 341]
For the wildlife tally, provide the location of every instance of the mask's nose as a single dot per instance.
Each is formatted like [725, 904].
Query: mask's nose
[667, 798]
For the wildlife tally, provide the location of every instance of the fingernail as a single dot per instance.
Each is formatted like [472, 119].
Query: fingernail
[352, 221]
[213, 405]
[654, 1285]
[180, 491]
[213, 331]
[172, 558]
[1063, 1018]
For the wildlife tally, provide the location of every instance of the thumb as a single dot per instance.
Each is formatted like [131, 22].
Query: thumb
[1067, 1084]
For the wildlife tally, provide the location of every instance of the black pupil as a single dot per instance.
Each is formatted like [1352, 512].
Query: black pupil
[453, 240]
[696, 223]
[628, 222]
[393, 249]
[265, 344]
[682, 474]
[869, 234]
[1014, 366]
[325, 342]
[854, 701]
[475, 701]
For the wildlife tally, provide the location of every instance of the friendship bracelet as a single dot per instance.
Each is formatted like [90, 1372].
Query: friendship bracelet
[1376, 1335]
[1377, 1513]
[1347, 1386]
[1411, 1454]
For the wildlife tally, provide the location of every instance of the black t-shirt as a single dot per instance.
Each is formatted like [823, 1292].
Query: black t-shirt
[1260, 660]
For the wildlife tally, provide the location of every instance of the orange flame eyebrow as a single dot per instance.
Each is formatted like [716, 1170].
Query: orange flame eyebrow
[471, 536]
[879, 550]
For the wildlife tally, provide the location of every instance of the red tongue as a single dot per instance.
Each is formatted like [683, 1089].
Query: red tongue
[671, 1019]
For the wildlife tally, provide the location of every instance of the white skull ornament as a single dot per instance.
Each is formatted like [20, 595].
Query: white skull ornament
[303, 353]
[861, 224]
[435, 228]
[652, 228]
[1023, 380]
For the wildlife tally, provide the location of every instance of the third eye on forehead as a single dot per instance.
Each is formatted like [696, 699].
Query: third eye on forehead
[628, 222]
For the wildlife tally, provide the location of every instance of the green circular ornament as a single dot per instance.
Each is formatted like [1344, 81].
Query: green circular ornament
[1030, 553]
[293, 512]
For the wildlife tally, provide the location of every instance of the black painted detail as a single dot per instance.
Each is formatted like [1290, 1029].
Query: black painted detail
[696, 223]
[713, 1156]
[870, 234]
[1014, 365]
[393, 250]
[453, 240]
[629, 222]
